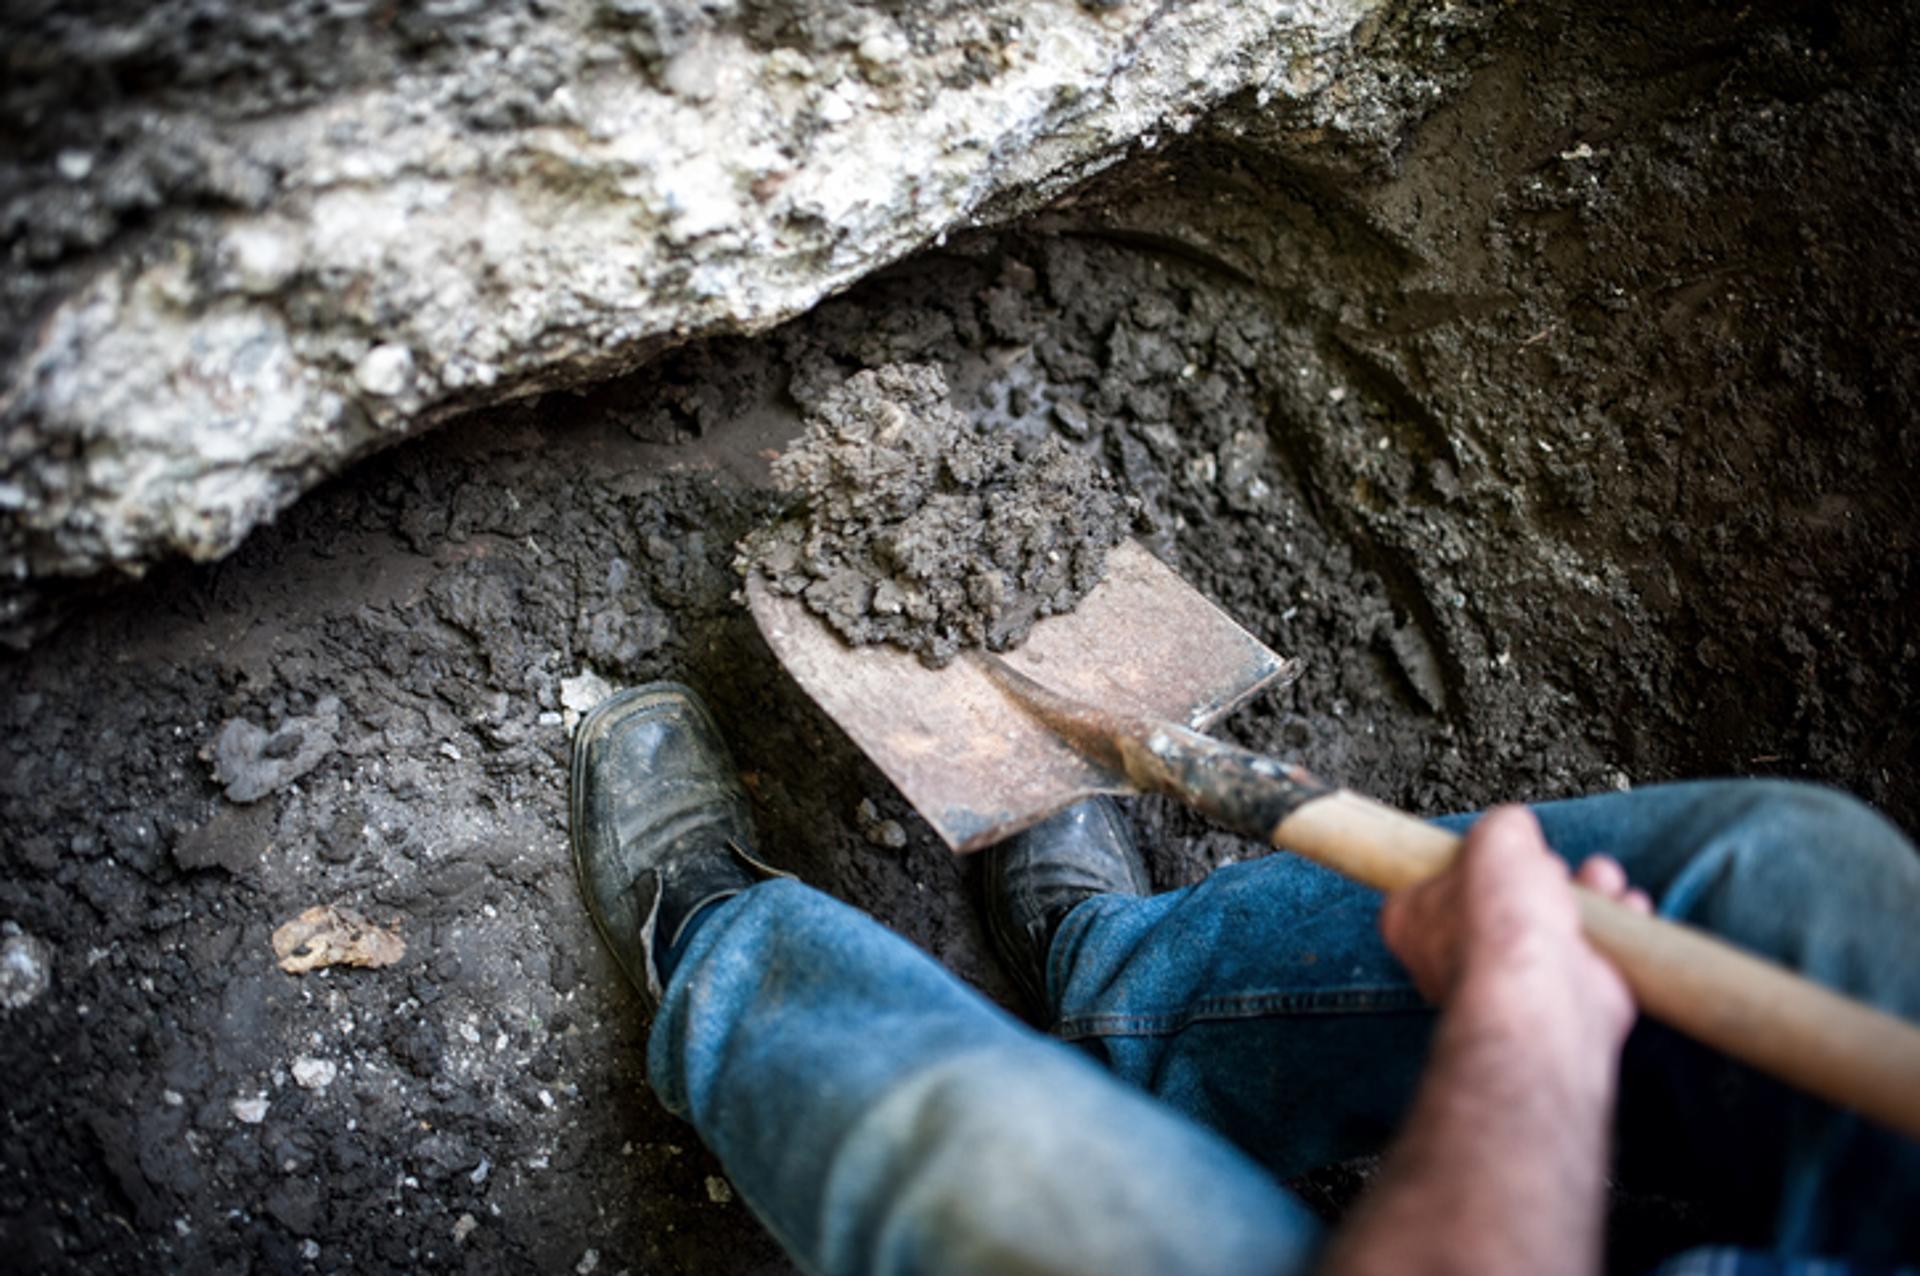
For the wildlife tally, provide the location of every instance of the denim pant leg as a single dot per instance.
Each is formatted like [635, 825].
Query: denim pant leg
[880, 1116]
[1260, 1002]
[1263, 1003]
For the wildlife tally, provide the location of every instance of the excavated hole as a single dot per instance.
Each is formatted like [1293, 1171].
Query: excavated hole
[1559, 473]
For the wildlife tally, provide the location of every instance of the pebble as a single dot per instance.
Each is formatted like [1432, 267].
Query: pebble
[888, 835]
[588, 1261]
[249, 1111]
[384, 371]
[719, 1191]
[25, 969]
[314, 1074]
[581, 693]
[463, 1228]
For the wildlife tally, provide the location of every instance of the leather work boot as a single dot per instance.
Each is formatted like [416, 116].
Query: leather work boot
[1034, 878]
[659, 823]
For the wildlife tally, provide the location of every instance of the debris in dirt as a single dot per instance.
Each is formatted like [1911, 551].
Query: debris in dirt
[719, 1191]
[588, 1262]
[326, 935]
[314, 1074]
[26, 968]
[463, 1228]
[1241, 464]
[1421, 664]
[922, 530]
[249, 1111]
[251, 762]
[579, 694]
[884, 833]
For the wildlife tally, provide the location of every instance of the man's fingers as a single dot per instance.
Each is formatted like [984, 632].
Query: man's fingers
[1603, 875]
[1393, 919]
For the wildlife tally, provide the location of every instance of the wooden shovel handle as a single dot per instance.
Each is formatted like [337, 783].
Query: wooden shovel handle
[1847, 1053]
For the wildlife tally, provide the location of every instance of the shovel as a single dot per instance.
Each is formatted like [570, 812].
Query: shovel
[1112, 698]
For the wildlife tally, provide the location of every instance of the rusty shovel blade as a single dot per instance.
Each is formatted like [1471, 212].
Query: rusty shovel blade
[970, 759]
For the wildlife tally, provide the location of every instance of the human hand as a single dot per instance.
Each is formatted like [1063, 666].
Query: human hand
[1498, 935]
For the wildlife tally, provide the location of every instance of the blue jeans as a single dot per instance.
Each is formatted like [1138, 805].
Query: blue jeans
[880, 1116]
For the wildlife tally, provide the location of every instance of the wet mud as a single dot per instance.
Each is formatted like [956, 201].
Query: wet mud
[1571, 450]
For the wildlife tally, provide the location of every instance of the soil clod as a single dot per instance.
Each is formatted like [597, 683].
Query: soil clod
[921, 529]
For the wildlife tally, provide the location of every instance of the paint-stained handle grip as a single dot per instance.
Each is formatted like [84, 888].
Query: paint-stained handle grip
[1847, 1053]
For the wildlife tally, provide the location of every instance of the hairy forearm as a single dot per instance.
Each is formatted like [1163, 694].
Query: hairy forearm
[1501, 1166]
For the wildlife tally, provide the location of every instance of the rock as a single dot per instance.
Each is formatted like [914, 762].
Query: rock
[887, 834]
[1242, 464]
[384, 370]
[26, 968]
[249, 1111]
[251, 762]
[503, 200]
[719, 1191]
[314, 1074]
[579, 694]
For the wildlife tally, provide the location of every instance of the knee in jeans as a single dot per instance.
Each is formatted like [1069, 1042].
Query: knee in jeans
[1766, 849]
[1814, 824]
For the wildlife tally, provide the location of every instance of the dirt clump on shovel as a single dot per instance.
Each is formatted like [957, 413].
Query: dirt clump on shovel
[918, 528]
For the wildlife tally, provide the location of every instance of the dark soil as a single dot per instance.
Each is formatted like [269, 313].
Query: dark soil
[1573, 448]
[922, 528]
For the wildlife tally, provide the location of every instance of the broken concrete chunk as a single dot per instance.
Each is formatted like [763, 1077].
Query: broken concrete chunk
[250, 762]
[328, 935]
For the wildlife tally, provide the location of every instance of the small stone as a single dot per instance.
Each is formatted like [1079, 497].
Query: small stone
[888, 835]
[314, 1074]
[74, 165]
[26, 969]
[1072, 419]
[588, 1262]
[463, 1228]
[883, 49]
[719, 1191]
[384, 371]
[310, 1249]
[579, 694]
[261, 259]
[249, 1111]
